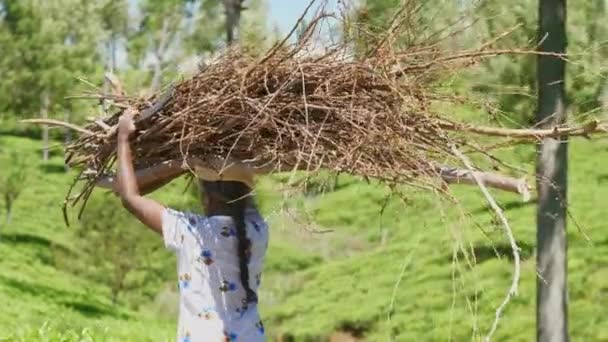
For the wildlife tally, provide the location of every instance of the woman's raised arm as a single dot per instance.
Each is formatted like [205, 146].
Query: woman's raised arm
[148, 211]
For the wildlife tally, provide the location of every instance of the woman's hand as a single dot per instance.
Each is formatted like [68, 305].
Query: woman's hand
[126, 125]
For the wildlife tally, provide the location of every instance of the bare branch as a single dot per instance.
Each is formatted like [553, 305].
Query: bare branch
[452, 175]
[52, 122]
[115, 84]
[592, 127]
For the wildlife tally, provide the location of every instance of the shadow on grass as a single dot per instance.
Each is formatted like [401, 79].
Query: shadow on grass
[602, 178]
[506, 206]
[503, 251]
[52, 168]
[346, 332]
[34, 132]
[86, 307]
[356, 329]
[91, 310]
[484, 253]
[28, 239]
[26, 131]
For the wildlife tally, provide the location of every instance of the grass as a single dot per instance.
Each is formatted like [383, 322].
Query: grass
[389, 270]
[436, 298]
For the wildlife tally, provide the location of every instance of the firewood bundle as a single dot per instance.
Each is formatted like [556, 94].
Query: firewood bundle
[290, 110]
[364, 114]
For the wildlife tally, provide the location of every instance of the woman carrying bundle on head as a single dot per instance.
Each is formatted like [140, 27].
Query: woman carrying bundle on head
[219, 254]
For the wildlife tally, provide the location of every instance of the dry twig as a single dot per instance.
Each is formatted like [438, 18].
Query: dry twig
[508, 231]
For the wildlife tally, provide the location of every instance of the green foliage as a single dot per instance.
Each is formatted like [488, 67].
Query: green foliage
[412, 287]
[511, 79]
[207, 29]
[36, 286]
[507, 83]
[44, 47]
[115, 16]
[170, 31]
[314, 284]
[12, 182]
[109, 239]
[48, 333]
[254, 36]
[411, 23]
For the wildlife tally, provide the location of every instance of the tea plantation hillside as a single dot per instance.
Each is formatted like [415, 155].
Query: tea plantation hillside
[344, 257]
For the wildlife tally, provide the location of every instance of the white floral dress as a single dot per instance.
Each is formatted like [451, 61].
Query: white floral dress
[213, 305]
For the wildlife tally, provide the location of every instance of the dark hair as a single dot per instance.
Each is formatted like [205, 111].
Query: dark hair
[236, 197]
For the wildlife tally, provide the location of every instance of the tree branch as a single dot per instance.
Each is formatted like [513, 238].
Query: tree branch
[216, 168]
[592, 127]
[452, 175]
[115, 84]
[52, 122]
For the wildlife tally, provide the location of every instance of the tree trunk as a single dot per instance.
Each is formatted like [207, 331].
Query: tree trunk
[157, 78]
[233, 10]
[159, 54]
[113, 41]
[44, 113]
[9, 216]
[109, 67]
[552, 167]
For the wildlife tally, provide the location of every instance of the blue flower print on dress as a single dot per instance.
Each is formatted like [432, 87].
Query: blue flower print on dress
[260, 327]
[230, 336]
[208, 272]
[184, 281]
[256, 226]
[206, 257]
[228, 232]
[227, 286]
[243, 309]
[192, 223]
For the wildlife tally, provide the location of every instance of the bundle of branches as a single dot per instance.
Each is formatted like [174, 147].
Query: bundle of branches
[288, 110]
[367, 115]
[326, 112]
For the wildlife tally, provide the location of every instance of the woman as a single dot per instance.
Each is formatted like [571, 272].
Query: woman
[219, 255]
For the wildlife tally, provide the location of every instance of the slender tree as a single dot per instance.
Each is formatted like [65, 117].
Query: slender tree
[170, 31]
[12, 183]
[513, 79]
[114, 18]
[552, 167]
[47, 46]
[233, 10]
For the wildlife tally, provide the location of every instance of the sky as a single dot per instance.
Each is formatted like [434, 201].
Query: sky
[284, 13]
